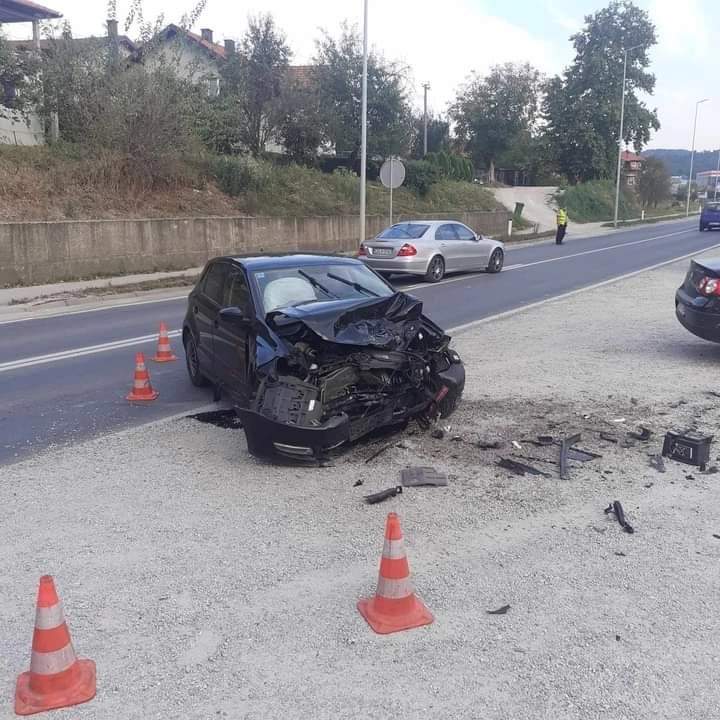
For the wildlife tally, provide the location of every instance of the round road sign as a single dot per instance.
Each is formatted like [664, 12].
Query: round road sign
[392, 173]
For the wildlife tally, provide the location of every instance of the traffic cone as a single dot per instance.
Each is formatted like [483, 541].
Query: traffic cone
[142, 389]
[394, 606]
[56, 679]
[164, 351]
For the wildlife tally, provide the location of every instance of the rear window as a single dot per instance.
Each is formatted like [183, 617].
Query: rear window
[404, 231]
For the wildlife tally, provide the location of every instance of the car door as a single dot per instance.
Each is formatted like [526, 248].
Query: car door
[205, 307]
[447, 242]
[474, 253]
[232, 338]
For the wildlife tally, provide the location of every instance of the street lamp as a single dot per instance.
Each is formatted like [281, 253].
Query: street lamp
[363, 131]
[620, 137]
[692, 155]
[426, 87]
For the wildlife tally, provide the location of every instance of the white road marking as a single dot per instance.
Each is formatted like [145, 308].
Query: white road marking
[80, 352]
[545, 301]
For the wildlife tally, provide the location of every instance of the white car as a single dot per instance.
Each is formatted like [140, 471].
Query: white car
[431, 248]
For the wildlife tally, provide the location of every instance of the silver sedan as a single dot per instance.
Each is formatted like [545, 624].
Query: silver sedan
[431, 248]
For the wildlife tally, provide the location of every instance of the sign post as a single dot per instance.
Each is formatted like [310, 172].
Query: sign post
[392, 175]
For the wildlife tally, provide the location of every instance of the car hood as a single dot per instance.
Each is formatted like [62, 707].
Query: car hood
[379, 322]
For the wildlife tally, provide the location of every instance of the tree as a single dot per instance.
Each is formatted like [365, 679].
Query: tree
[253, 79]
[492, 112]
[338, 72]
[301, 122]
[654, 183]
[438, 135]
[19, 84]
[581, 108]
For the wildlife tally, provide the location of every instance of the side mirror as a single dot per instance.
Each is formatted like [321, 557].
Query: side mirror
[234, 315]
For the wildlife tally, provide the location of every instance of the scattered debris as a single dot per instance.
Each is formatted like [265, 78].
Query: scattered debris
[565, 445]
[713, 393]
[602, 531]
[226, 419]
[617, 509]
[500, 611]
[383, 495]
[489, 444]
[617, 638]
[621, 554]
[516, 445]
[378, 452]
[644, 434]
[627, 443]
[689, 447]
[657, 462]
[456, 438]
[712, 470]
[633, 401]
[358, 483]
[438, 433]
[619, 420]
[581, 455]
[649, 485]
[545, 439]
[716, 536]
[609, 437]
[520, 468]
[422, 476]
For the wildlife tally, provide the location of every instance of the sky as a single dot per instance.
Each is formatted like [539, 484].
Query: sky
[442, 43]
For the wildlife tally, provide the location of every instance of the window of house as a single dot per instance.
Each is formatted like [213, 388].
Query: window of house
[631, 180]
[213, 87]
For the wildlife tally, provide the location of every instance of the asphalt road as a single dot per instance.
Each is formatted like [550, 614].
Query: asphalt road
[64, 378]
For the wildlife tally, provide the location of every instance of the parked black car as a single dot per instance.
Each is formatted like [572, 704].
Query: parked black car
[315, 352]
[697, 300]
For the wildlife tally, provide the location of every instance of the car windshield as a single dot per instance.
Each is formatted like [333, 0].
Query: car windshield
[404, 231]
[714, 206]
[293, 286]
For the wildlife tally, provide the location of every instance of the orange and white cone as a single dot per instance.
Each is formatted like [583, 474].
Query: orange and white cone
[394, 606]
[164, 351]
[57, 678]
[142, 390]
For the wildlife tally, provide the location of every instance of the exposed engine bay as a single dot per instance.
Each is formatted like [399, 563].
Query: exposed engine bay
[343, 375]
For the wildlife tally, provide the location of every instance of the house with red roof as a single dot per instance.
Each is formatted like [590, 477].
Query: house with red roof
[631, 167]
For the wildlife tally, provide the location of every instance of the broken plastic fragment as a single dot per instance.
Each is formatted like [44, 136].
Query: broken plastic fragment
[617, 509]
[520, 468]
[419, 476]
[500, 611]
[643, 435]
[383, 495]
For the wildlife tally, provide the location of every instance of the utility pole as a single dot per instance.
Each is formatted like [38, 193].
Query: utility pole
[717, 176]
[426, 87]
[363, 131]
[692, 156]
[620, 137]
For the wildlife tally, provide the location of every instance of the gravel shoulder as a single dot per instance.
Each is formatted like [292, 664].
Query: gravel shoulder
[207, 584]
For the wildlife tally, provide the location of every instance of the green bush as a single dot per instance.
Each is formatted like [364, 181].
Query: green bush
[240, 175]
[594, 201]
[421, 175]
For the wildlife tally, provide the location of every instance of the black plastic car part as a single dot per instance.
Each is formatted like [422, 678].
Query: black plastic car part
[689, 447]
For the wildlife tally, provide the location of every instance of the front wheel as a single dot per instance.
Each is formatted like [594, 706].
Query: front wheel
[497, 259]
[436, 270]
[702, 227]
[192, 360]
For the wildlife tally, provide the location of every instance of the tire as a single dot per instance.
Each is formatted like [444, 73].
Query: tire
[436, 270]
[497, 260]
[192, 362]
[702, 227]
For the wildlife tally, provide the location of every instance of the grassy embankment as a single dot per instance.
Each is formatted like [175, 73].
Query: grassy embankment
[60, 183]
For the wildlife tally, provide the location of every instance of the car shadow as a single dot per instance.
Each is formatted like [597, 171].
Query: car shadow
[694, 350]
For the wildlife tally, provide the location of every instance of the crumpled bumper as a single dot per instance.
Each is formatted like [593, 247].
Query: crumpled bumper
[268, 438]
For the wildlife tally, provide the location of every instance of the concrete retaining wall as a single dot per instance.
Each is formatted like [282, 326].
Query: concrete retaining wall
[45, 252]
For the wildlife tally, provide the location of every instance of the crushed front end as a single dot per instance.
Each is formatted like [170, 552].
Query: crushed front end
[348, 372]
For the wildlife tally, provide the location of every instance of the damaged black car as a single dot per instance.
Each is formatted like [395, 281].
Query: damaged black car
[316, 352]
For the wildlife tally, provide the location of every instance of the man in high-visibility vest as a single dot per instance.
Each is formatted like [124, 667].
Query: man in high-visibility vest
[562, 221]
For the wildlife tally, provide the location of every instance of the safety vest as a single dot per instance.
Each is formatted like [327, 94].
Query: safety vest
[561, 217]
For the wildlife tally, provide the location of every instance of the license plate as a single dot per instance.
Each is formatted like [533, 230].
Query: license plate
[382, 252]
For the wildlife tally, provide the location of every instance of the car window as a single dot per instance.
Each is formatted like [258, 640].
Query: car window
[237, 293]
[464, 233]
[713, 206]
[446, 232]
[293, 286]
[215, 282]
[404, 231]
